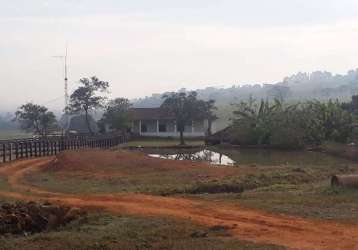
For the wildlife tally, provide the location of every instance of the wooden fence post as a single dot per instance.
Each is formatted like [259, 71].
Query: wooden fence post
[56, 147]
[16, 150]
[10, 151]
[26, 151]
[35, 146]
[48, 147]
[3, 153]
[22, 150]
[40, 148]
[31, 153]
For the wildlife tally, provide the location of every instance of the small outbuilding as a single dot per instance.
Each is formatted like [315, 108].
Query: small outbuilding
[77, 124]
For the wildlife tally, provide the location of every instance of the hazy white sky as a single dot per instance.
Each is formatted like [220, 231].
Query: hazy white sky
[147, 46]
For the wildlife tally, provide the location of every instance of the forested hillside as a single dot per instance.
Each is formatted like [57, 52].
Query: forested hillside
[320, 85]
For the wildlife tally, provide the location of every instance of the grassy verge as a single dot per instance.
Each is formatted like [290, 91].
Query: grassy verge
[170, 183]
[341, 150]
[312, 201]
[102, 232]
[315, 201]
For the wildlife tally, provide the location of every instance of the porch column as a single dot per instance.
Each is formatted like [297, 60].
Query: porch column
[192, 127]
[140, 127]
[157, 127]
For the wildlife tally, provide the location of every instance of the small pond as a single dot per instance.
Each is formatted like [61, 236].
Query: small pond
[212, 157]
[235, 156]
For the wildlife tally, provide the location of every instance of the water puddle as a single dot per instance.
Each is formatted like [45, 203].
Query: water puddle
[251, 157]
[212, 157]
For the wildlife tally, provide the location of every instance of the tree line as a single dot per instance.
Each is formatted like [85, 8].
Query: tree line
[266, 122]
[89, 96]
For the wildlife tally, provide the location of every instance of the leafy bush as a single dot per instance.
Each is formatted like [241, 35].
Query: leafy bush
[290, 126]
[287, 137]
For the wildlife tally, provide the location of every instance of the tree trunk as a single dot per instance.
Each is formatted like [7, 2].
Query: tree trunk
[210, 123]
[182, 142]
[37, 128]
[88, 124]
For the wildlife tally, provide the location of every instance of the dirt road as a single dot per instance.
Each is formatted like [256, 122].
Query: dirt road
[246, 224]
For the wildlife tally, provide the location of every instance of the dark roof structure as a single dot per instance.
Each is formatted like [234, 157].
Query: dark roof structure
[136, 114]
[78, 124]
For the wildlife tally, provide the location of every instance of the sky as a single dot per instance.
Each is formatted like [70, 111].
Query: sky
[151, 46]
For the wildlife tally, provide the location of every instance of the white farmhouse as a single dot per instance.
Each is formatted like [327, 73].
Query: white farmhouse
[155, 122]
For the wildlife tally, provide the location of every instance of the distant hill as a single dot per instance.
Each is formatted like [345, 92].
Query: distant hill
[320, 85]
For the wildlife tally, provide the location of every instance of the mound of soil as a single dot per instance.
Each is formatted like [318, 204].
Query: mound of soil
[32, 217]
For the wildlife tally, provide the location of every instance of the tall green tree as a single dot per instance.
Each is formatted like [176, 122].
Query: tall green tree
[36, 118]
[352, 106]
[185, 107]
[87, 97]
[116, 115]
[207, 111]
[253, 121]
[336, 122]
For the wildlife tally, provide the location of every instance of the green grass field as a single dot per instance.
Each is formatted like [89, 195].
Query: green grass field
[13, 134]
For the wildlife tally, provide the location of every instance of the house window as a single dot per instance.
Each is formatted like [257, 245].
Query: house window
[144, 128]
[162, 128]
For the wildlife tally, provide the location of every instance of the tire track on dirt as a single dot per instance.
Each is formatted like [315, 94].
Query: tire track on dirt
[246, 224]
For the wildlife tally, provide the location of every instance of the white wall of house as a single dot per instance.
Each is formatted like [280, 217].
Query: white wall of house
[167, 128]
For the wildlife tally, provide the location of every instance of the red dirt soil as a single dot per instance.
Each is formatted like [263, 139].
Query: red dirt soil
[86, 164]
[246, 224]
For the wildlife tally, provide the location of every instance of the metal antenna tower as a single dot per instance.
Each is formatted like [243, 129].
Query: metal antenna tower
[64, 58]
[66, 79]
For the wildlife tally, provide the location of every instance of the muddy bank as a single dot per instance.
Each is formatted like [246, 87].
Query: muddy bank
[32, 217]
[345, 151]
